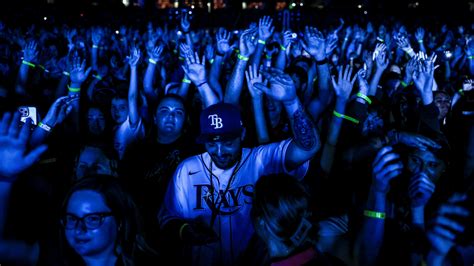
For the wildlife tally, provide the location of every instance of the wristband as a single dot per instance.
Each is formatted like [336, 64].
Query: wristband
[262, 42]
[404, 84]
[353, 120]
[380, 39]
[185, 80]
[470, 57]
[409, 50]
[65, 73]
[200, 84]
[97, 77]
[367, 99]
[420, 41]
[321, 62]
[211, 61]
[283, 48]
[73, 89]
[461, 92]
[269, 57]
[24, 62]
[94, 46]
[243, 58]
[346, 39]
[181, 58]
[373, 214]
[181, 230]
[152, 61]
[44, 127]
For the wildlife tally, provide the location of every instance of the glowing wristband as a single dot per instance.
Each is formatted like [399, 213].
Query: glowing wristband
[346, 39]
[348, 118]
[420, 41]
[380, 39]
[28, 63]
[461, 92]
[152, 61]
[181, 230]
[211, 61]
[367, 99]
[181, 58]
[470, 57]
[404, 84]
[262, 42]
[283, 48]
[376, 215]
[73, 89]
[408, 51]
[243, 58]
[97, 77]
[44, 127]
[43, 68]
[65, 73]
[185, 80]
[95, 46]
[269, 57]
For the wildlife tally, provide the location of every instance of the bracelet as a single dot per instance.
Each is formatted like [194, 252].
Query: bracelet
[24, 62]
[243, 58]
[97, 77]
[380, 39]
[262, 42]
[346, 39]
[420, 41]
[367, 99]
[321, 62]
[65, 73]
[94, 46]
[373, 214]
[181, 58]
[200, 84]
[211, 61]
[461, 92]
[185, 80]
[408, 51]
[152, 61]
[404, 84]
[283, 48]
[181, 230]
[470, 57]
[353, 120]
[44, 127]
[73, 89]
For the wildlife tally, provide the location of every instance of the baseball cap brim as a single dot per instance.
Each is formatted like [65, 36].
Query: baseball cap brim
[203, 138]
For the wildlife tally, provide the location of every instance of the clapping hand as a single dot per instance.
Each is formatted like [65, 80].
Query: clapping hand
[15, 158]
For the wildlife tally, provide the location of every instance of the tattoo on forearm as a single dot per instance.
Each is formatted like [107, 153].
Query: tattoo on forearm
[303, 130]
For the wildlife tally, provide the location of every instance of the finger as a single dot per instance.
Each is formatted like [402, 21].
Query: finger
[34, 155]
[259, 86]
[381, 153]
[457, 197]
[449, 223]
[445, 233]
[390, 168]
[14, 128]
[453, 210]
[5, 123]
[88, 71]
[25, 132]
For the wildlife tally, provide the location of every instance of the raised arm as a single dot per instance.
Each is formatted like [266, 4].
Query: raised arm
[380, 57]
[234, 85]
[253, 77]
[30, 55]
[223, 47]
[285, 41]
[265, 30]
[154, 58]
[133, 115]
[305, 142]
[419, 36]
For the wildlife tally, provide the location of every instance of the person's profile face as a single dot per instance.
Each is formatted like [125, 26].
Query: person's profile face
[90, 242]
[170, 117]
[92, 160]
[96, 121]
[425, 161]
[224, 153]
[119, 110]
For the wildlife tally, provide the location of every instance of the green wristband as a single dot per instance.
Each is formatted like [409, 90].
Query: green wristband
[24, 62]
[367, 99]
[243, 58]
[348, 118]
[373, 214]
[262, 42]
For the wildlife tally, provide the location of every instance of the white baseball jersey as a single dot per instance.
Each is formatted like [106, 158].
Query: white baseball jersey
[189, 197]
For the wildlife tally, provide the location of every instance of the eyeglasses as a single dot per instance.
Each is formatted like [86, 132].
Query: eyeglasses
[91, 220]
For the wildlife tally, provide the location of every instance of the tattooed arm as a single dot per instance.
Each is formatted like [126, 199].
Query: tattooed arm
[306, 140]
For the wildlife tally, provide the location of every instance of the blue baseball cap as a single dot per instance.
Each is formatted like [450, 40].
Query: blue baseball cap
[221, 121]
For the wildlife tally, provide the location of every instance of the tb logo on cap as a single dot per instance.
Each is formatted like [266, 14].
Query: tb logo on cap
[216, 121]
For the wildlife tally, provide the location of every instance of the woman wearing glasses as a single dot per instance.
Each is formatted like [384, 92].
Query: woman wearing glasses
[101, 224]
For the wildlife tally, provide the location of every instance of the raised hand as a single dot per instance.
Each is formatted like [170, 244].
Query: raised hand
[265, 28]
[420, 190]
[156, 52]
[253, 77]
[286, 38]
[59, 110]
[445, 227]
[222, 39]
[281, 88]
[247, 42]
[385, 167]
[410, 68]
[96, 36]
[468, 85]
[184, 50]
[343, 85]
[424, 74]
[381, 61]
[194, 68]
[134, 57]
[314, 43]
[30, 51]
[420, 34]
[14, 155]
[209, 52]
[185, 24]
[331, 44]
[78, 72]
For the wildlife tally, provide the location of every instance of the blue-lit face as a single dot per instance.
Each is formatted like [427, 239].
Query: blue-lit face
[170, 117]
[225, 153]
[119, 110]
[426, 162]
[96, 121]
[91, 243]
[92, 160]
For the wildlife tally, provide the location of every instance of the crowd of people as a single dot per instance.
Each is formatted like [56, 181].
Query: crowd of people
[347, 144]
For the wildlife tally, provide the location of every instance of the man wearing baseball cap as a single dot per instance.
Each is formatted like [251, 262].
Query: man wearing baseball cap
[208, 201]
